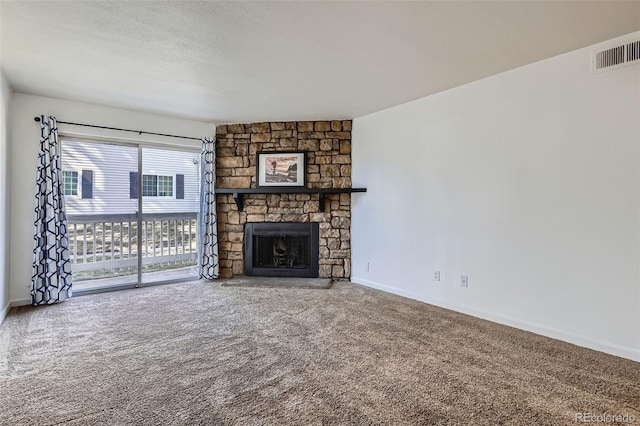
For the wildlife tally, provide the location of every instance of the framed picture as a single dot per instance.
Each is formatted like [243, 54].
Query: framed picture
[282, 168]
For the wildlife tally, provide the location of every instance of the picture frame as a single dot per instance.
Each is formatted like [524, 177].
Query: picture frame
[281, 169]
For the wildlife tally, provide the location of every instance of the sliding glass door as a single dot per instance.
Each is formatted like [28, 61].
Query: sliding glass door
[170, 205]
[101, 213]
[132, 213]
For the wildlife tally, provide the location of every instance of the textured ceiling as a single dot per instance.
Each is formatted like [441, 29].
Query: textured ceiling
[261, 61]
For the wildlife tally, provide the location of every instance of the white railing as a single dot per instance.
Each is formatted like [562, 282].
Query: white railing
[108, 244]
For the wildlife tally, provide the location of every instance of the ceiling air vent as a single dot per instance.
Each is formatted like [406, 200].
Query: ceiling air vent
[615, 57]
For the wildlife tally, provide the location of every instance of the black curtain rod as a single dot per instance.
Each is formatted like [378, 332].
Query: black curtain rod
[140, 132]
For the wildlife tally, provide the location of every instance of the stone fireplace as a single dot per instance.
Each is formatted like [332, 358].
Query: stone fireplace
[328, 148]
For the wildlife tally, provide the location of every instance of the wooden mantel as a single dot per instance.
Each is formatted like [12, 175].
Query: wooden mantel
[238, 193]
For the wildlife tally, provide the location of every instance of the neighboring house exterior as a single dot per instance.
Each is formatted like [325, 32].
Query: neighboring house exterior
[102, 179]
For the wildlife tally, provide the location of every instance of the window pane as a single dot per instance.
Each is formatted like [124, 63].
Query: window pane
[165, 186]
[169, 225]
[104, 243]
[69, 183]
[149, 185]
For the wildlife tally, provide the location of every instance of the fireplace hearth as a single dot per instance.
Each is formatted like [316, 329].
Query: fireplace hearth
[281, 249]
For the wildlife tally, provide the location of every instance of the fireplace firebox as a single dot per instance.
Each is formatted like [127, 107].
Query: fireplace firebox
[281, 249]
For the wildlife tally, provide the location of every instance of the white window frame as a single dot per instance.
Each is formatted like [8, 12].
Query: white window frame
[77, 183]
[157, 191]
[166, 186]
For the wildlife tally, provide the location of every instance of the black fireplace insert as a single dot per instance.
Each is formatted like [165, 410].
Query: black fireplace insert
[281, 249]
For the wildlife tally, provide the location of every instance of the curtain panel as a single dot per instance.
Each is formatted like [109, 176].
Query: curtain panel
[51, 279]
[209, 267]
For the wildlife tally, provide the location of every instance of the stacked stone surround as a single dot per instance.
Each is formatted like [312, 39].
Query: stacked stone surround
[328, 148]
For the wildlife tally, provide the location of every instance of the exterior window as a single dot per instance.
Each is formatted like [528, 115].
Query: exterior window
[157, 186]
[165, 186]
[69, 183]
[149, 186]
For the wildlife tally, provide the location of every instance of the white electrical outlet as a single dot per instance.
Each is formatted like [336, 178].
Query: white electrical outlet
[464, 281]
[436, 276]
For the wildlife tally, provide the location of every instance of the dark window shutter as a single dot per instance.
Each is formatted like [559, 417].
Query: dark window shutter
[87, 184]
[133, 184]
[180, 187]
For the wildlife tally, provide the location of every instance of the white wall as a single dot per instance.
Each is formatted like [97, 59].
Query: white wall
[5, 193]
[529, 183]
[25, 142]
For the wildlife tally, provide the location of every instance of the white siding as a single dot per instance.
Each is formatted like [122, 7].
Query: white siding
[111, 166]
[170, 163]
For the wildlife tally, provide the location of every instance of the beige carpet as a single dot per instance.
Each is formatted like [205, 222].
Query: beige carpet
[200, 354]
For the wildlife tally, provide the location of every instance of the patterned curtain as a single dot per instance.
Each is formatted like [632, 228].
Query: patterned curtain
[51, 280]
[209, 267]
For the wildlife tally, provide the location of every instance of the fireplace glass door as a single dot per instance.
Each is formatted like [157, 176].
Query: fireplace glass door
[281, 249]
[281, 252]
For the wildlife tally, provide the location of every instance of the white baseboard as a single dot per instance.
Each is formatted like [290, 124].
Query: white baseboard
[576, 339]
[4, 312]
[388, 289]
[20, 302]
